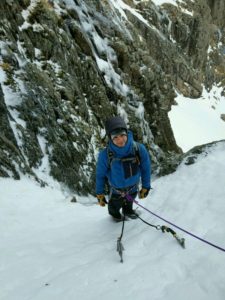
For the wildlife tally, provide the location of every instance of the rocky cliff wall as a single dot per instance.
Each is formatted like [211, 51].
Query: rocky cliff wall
[67, 65]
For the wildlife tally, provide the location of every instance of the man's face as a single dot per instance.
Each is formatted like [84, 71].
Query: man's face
[120, 140]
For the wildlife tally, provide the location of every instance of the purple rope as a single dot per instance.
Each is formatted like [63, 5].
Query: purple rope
[129, 198]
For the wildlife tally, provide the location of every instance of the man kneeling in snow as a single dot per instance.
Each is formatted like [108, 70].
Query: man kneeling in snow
[123, 163]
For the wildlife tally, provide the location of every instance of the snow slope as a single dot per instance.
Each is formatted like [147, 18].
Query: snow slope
[52, 248]
[198, 121]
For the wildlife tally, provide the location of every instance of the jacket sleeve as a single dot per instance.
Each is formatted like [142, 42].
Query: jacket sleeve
[101, 171]
[145, 167]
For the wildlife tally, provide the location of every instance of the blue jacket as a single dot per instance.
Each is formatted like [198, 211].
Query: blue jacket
[115, 173]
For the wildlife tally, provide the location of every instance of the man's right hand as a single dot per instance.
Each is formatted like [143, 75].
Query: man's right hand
[101, 200]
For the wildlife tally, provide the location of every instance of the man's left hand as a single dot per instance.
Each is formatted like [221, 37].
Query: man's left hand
[143, 193]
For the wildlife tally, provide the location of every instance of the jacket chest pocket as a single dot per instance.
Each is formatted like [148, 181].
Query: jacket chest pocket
[130, 166]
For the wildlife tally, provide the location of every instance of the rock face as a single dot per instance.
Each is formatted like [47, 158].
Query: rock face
[65, 66]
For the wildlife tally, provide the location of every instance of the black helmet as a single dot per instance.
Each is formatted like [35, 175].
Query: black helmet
[114, 123]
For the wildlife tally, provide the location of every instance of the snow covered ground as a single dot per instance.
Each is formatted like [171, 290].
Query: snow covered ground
[198, 121]
[53, 249]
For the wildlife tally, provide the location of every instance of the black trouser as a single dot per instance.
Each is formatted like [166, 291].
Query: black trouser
[116, 202]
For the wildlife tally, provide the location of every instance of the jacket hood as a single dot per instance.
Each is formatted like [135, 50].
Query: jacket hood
[126, 149]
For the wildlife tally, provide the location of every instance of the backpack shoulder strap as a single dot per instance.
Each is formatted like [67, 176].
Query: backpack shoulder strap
[136, 150]
[110, 156]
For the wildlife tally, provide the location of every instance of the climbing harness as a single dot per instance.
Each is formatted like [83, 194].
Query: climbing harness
[124, 192]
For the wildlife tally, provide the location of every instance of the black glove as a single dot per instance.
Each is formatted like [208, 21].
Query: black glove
[101, 200]
[143, 193]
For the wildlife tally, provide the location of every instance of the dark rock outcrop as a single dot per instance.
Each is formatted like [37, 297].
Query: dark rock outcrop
[66, 68]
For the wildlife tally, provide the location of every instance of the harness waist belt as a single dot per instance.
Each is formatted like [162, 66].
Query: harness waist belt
[128, 189]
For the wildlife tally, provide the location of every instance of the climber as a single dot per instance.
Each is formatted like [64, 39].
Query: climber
[123, 164]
